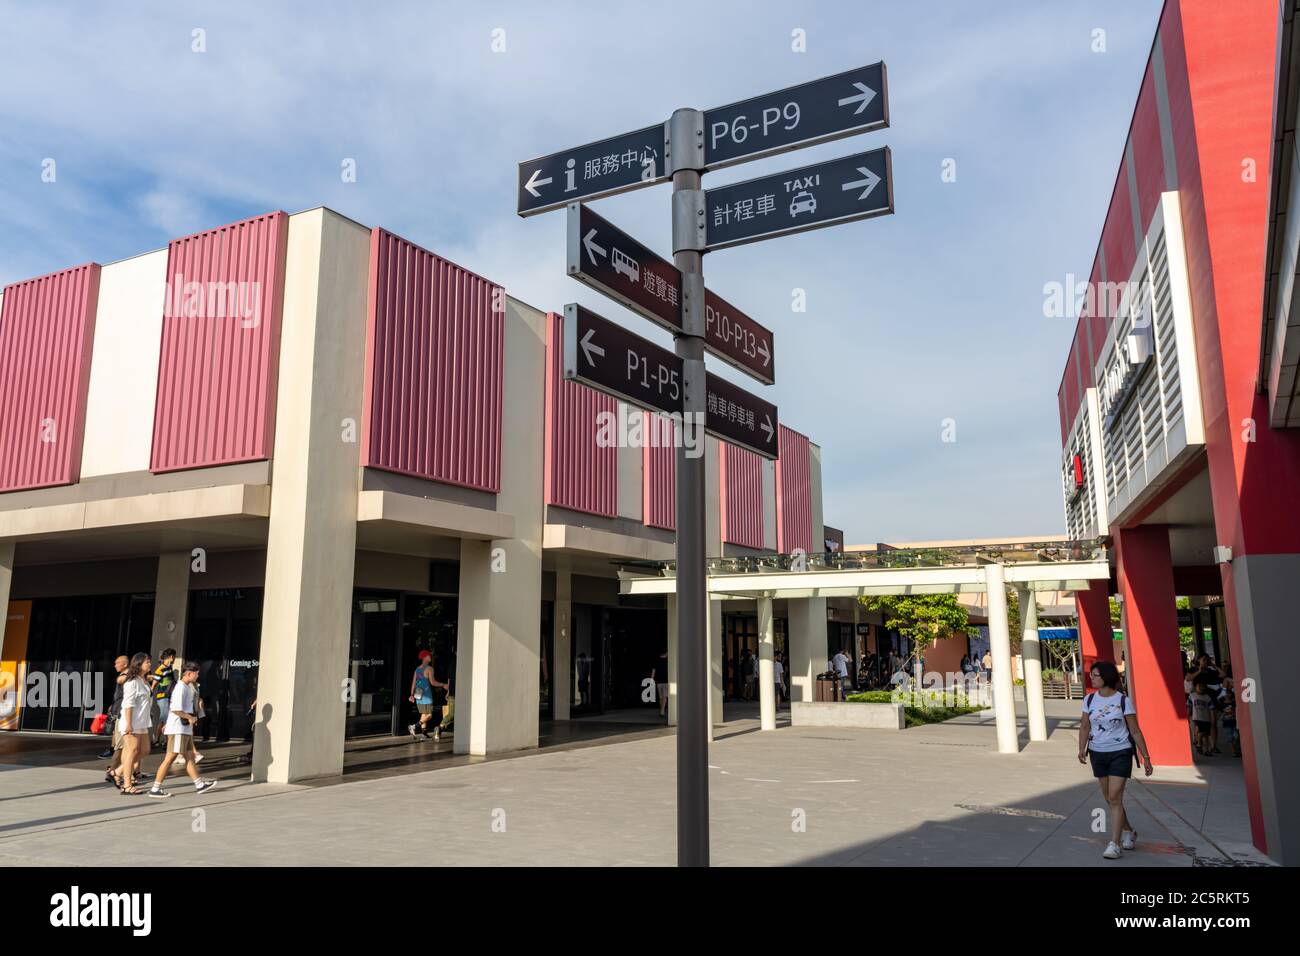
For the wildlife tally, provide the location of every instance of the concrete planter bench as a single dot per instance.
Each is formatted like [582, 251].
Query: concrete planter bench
[845, 714]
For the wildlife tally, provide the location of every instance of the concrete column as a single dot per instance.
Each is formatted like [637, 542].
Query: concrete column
[1031, 652]
[766, 680]
[311, 540]
[562, 643]
[1153, 669]
[1004, 705]
[498, 639]
[671, 604]
[716, 717]
[498, 646]
[1096, 643]
[1266, 657]
[171, 604]
[807, 640]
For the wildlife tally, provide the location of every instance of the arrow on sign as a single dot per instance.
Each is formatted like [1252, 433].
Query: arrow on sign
[871, 181]
[588, 347]
[534, 182]
[587, 241]
[866, 95]
[767, 356]
[767, 427]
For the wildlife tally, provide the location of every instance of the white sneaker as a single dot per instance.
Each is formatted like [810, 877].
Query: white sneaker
[198, 759]
[1112, 851]
[1130, 839]
[411, 729]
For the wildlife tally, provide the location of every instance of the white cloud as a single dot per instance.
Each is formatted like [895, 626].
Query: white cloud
[933, 309]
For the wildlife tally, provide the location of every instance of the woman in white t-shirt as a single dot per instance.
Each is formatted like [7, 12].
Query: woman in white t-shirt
[137, 705]
[1109, 735]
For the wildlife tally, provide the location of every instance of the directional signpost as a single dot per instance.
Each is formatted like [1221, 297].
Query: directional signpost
[606, 258]
[608, 357]
[741, 417]
[611, 359]
[610, 261]
[835, 106]
[603, 168]
[824, 194]
[734, 337]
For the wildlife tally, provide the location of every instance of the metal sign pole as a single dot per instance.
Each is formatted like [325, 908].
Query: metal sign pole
[686, 159]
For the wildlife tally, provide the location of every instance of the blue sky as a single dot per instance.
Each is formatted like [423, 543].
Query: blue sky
[933, 313]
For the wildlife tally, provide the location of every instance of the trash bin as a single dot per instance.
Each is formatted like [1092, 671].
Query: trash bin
[828, 687]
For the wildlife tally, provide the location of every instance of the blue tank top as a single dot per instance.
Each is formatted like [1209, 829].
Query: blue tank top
[423, 689]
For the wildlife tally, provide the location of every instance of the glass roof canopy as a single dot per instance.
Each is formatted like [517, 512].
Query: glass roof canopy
[970, 556]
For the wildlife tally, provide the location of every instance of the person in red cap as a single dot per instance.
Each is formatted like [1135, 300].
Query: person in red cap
[422, 695]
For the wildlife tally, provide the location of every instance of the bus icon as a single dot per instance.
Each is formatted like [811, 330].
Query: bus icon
[625, 264]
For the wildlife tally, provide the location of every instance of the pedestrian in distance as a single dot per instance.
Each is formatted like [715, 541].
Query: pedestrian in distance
[1202, 716]
[748, 666]
[182, 715]
[1110, 737]
[778, 678]
[840, 665]
[1207, 673]
[114, 752]
[137, 707]
[423, 695]
[659, 676]
[162, 681]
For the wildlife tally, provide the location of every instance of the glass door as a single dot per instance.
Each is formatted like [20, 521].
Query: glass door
[224, 636]
[42, 659]
[546, 664]
[371, 665]
[428, 624]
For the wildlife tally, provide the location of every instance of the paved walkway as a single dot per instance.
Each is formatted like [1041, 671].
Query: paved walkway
[931, 795]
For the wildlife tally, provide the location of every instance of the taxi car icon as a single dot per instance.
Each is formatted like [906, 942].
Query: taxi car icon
[803, 201]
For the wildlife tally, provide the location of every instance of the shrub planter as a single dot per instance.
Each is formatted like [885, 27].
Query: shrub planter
[887, 716]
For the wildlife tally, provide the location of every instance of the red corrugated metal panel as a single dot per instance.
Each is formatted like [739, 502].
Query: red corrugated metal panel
[220, 345]
[47, 331]
[794, 492]
[435, 357]
[580, 474]
[659, 504]
[740, 480]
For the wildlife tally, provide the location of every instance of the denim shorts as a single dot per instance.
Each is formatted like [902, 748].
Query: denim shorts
[1112, 763]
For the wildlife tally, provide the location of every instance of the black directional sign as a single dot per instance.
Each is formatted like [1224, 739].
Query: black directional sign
[610, 166]
[610, 261]
[736, 338]
[842, 105]
[741, 417]
[824, 194]
[608, 357]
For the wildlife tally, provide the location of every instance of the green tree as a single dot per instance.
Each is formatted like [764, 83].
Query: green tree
[923, 618]
[1186, 635]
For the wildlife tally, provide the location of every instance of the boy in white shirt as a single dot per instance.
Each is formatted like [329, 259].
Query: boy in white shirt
[181, 718]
